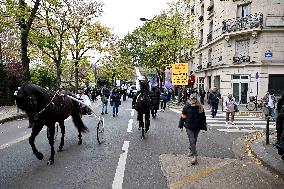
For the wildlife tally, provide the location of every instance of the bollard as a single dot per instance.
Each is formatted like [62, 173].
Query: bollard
[267, 129]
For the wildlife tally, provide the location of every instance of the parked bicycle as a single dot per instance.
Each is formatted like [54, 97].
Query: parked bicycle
[253, 103]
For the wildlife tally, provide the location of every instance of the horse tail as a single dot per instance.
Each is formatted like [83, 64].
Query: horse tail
[76, 117]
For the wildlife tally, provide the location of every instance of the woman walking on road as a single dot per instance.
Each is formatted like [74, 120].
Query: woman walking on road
[193, 119]
[229, 106]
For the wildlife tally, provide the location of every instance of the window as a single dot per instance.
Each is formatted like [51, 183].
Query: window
[210, 55]
[243, 10]
[242, 48]
[210, 34]
[201, 38]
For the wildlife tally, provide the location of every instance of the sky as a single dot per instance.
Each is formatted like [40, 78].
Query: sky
[123, 15]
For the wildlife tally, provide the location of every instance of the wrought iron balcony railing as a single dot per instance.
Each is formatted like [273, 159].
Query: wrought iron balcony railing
[243, 23]
[200, 43]
[200, 18]
[240, 59]
[209, 37]
[199, 67]
[209, 64]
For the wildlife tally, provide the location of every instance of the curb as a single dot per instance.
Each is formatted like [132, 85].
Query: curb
[258, 149]
[12, 118]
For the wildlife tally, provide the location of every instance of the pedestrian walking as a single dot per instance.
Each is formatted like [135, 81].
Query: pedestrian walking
[193, 119]
[269, 101]
[154, 95]
[86, 102]
[214, 98]
[104, 101]
[229, 106]
[163, 99]
[115, 101]
[202, 94]
[279, 118]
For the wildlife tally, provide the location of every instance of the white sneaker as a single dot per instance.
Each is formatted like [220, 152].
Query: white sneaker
[194, 160]
[226, 123]
[233, 123]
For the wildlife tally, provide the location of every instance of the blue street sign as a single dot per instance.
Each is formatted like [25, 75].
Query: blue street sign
[268, 54]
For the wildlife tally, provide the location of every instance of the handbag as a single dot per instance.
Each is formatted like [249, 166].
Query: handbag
[236, 109]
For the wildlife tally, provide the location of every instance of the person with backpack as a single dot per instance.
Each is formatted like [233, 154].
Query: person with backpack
[214, 97]
[115, 101]
[164, 99]
[154, 95]
[193, 119]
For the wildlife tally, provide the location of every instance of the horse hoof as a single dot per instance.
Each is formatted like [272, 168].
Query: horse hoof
[39, 156]
[50, 162]
[79, 142]
[60, 149]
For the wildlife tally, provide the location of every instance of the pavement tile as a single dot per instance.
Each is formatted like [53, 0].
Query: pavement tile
[215, 173]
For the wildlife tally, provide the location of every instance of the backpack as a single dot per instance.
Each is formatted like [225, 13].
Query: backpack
[106, 92]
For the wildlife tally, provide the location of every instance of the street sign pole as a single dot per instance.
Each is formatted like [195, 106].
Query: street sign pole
[257, 80]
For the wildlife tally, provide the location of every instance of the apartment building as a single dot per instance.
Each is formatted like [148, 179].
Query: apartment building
[241, 46]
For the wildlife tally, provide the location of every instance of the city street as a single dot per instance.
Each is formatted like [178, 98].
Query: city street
[127, 161]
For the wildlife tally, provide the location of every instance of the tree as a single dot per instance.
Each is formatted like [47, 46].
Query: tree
[85, 35]
[159, 42]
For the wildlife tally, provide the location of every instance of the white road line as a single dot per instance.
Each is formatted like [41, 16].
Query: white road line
[238, 130]
[132, 112]
[129, 128]
[240, 126]
[17, 140]
[119, 174]
[175, 110]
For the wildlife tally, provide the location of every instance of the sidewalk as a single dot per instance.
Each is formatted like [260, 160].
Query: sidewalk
[10, 113]
[268, 154]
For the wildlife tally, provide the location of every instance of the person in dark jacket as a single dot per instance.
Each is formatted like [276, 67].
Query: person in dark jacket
[202, 94]
[155, 99]
[193, 119]
[115, 101]
[280, 127]
[164, 100]
[214, 97]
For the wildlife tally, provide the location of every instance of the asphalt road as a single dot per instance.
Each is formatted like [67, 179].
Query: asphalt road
[125, 160]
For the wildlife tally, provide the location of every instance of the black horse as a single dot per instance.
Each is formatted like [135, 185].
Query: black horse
[142, 104]
[44, 107]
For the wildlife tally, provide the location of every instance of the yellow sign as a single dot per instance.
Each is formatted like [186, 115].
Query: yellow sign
[180, 74]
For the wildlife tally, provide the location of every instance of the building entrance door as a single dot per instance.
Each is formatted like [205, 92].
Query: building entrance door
[240, 89]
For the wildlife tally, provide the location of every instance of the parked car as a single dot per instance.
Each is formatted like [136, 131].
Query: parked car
[131, 91]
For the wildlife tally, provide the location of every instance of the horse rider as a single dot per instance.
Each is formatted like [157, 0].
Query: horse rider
[87, 102]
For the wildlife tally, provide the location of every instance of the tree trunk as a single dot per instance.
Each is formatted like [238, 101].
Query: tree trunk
[76, 76]
[25, 59]
[58, 72]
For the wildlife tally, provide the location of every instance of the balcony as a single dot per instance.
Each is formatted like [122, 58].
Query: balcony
[200, 43]
[243, 23]
[199, 67]
[201, 18]
[209, 37]
[241, 59]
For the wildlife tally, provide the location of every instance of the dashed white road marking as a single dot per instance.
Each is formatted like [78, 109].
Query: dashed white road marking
[175, 110]
[238, 130]
[119, 174]
[132, 112]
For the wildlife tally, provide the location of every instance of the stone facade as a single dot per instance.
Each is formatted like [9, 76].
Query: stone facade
[236, 41]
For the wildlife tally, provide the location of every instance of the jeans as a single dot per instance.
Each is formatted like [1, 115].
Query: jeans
[214, 108]
[272, 112]
[115, 108]
[163, 104]
[104, 108]
[192, 137]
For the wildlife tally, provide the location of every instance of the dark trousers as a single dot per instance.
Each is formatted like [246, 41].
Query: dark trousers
[214, 108]
[279, 128]
[154, 112]
[163, 104]
[192, 137]
[202, 100]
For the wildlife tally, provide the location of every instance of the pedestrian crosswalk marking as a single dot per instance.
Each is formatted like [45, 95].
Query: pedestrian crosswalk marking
[243, 124]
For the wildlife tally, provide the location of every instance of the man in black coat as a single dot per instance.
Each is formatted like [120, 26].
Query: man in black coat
[155, 99]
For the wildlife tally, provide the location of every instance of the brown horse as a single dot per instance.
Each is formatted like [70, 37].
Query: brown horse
[44, 107]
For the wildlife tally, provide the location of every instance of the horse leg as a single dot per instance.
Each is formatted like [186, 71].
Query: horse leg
[141, 125]
[51, 129]
[147, 121]
[62, 128]
[80, 138]
[35, 131]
